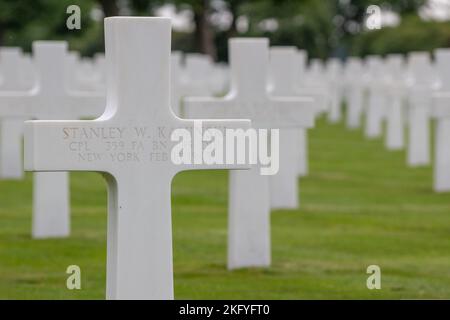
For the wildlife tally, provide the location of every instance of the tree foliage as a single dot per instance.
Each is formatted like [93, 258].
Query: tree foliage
[323, 28]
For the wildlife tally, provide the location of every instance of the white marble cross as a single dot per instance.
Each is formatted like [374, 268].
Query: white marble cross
[220, 79]
[49, 99]
[175, 82]
[11, 129]
[394, 90]
[249, 196]
[441, 112]
[27, 71]
[375, 101]
[72, 61]
[132, 144]
[334, 76]
[196, 75]
[419, 107]
[308, 84]
[300, 75]
[284, 76]
[310, 81]
[354, 92]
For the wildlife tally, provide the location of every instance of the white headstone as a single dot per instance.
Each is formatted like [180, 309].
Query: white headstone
[299, 69]
[419, 106]
[249, 198]
[284, 77]
[72, 61]
[311, 81]
[11, 129]
[220, 79]
[308, 84]
[27, 71]
[394, 90]
[50, 100]
[197, 75]
[441, 111]
[354, 92]
[335, 77]
[100, 69]
[131, 145]
[175, 82]
[301, 86]
[375, 100]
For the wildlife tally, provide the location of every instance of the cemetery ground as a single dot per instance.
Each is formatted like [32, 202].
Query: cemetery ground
[360, 205]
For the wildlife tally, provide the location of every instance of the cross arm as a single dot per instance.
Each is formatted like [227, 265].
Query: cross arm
[291, 112]
[17, 104]
[222, 134]
[86, 105]
[318, 93]
[55, 145]
[208, 107]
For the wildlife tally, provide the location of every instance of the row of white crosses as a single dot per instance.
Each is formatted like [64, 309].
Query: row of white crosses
[421, 82]
[390, 85]
[354, 92]
[397, 92]
[403, 92]
[138, 115]
[84, 74]
[138, 118]
[51, 218]
[17, 74]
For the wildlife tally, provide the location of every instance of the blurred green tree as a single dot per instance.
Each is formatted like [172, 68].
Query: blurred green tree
[21, 22]
[413, 34]
[323, 28]
[203, 34]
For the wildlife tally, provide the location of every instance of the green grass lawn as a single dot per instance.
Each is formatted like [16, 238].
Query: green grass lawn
[360, 205]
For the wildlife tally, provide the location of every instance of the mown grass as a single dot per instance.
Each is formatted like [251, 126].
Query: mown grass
[360, 205]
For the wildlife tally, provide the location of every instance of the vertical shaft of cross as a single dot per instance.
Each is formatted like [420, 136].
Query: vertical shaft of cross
[441, 112]
[139, 262]
[418, 152]
[394, 92]
[441, 170]
[11, 129]
[334, 74]
[51, 196]
[248, 219]
[375, 103]
[243, 81]
[354, 92]
[249, 212]
[395, 123]
[51, 205]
